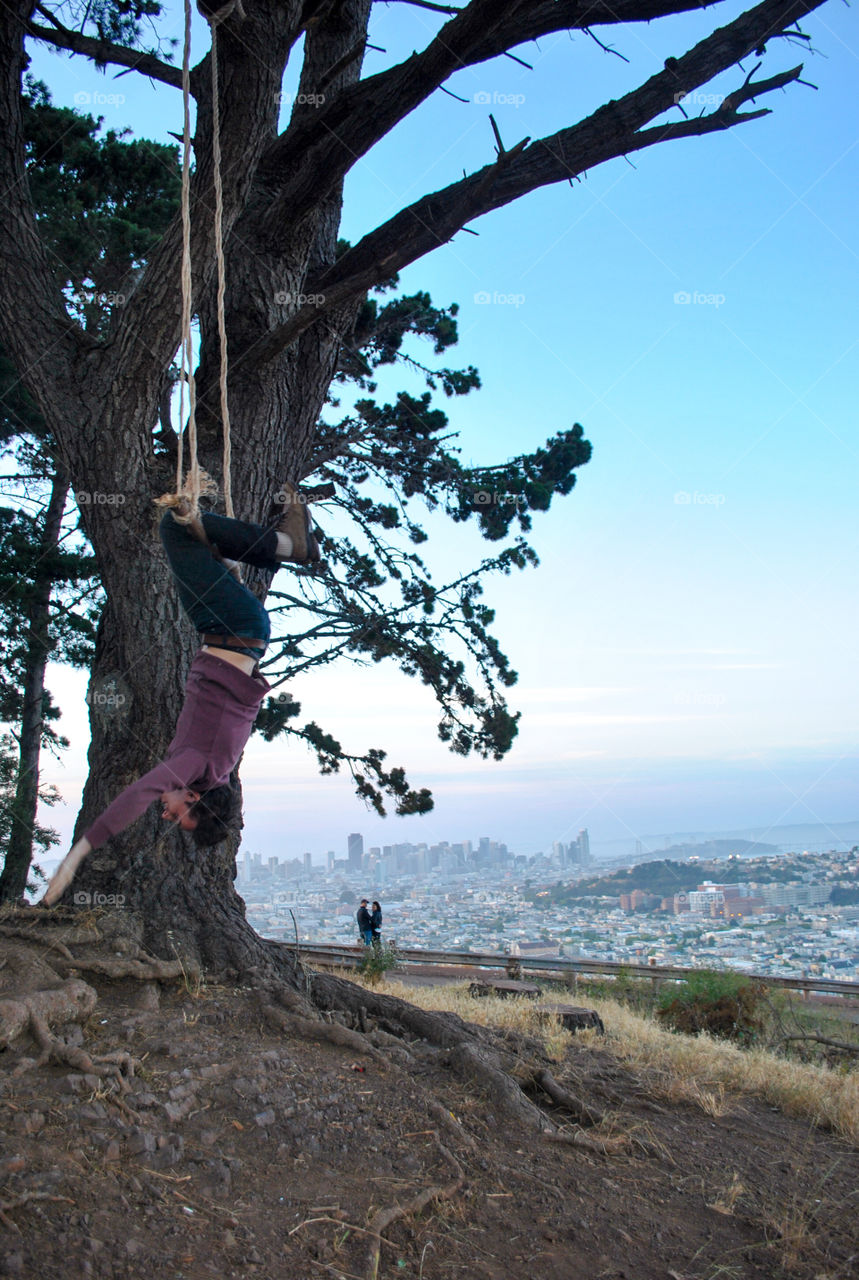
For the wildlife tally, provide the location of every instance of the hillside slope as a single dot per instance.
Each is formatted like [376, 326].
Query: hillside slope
[219, 1147]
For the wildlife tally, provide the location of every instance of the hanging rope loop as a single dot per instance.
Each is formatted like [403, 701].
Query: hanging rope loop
[185, 502]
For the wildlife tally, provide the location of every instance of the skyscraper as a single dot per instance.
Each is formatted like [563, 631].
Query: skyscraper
[356, 851]
[584, 847]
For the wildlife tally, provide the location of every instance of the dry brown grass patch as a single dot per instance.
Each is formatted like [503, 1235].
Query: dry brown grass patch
[711, 1074]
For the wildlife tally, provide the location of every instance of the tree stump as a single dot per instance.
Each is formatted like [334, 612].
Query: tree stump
[575, 1018]
[500, 987]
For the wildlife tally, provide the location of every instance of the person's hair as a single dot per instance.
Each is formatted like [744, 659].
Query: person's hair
[212, 813]
[377, 904]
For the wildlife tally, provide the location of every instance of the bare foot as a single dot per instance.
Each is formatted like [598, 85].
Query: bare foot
[65, 872]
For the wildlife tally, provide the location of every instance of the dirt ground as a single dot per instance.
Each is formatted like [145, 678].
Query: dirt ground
[239, 1153]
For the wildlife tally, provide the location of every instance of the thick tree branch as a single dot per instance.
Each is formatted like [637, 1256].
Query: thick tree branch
[315, 152]
[612, 131]
[34, 326]
[251, 63]
[104, 51]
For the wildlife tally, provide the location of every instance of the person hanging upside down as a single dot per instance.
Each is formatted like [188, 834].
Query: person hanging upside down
[224, 689]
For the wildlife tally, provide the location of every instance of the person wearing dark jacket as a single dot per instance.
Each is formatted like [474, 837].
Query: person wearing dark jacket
[365, 928]
[376, 925]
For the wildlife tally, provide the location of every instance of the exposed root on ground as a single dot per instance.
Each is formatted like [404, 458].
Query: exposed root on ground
[6, 1206]
[386, 1217]
[142, 970]
[73, 1001]
[579, 1110]
[314, 1029]
[591, 1142]
[40, 939]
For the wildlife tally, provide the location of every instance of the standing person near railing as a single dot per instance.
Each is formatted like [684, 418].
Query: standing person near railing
[365, 929]
[376, 924]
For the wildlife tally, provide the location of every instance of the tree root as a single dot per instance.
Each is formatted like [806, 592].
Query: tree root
[308, 1029]
[470, 1064]
[450, 1122]
[6, 1206]
[74, 1001]
[144, 971]
[118, 1064]
[43, 940]
[590, 1142]
[579, 1110]
[385, 1217]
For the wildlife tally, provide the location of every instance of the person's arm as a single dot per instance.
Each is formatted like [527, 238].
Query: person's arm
[179, 771]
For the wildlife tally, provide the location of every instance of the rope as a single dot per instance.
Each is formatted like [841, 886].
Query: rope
[185, 503]
[219, 254]
[186, 364]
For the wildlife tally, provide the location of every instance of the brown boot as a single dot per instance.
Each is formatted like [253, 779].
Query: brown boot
[297, 523]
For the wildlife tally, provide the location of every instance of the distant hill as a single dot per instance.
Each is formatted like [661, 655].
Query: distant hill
[665, 878]
[793, 838]
[728, 848]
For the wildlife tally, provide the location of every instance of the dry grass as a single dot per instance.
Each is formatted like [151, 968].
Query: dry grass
[706, 1072]
[703, 1065]
[528, 1017]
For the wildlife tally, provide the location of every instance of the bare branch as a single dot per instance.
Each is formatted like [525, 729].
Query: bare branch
[610, 132]
[426, 4]
[815, 1038]
[318, 149]
[104, 51]
[35, 327]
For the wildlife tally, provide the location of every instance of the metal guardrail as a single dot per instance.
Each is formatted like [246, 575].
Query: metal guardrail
[350, 955]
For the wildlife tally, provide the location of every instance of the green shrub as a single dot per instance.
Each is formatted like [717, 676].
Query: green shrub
[376, 961]
[721, 1002]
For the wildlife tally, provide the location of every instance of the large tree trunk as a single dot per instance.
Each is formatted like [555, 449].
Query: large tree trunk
[19, 853]
[186, 900]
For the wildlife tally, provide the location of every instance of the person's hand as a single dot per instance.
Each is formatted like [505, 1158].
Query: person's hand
[65, 872]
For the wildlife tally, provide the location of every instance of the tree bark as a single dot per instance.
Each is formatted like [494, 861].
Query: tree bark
[187, 900]
[19, 853]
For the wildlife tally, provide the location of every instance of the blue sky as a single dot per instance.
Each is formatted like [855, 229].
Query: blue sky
[686, 648]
